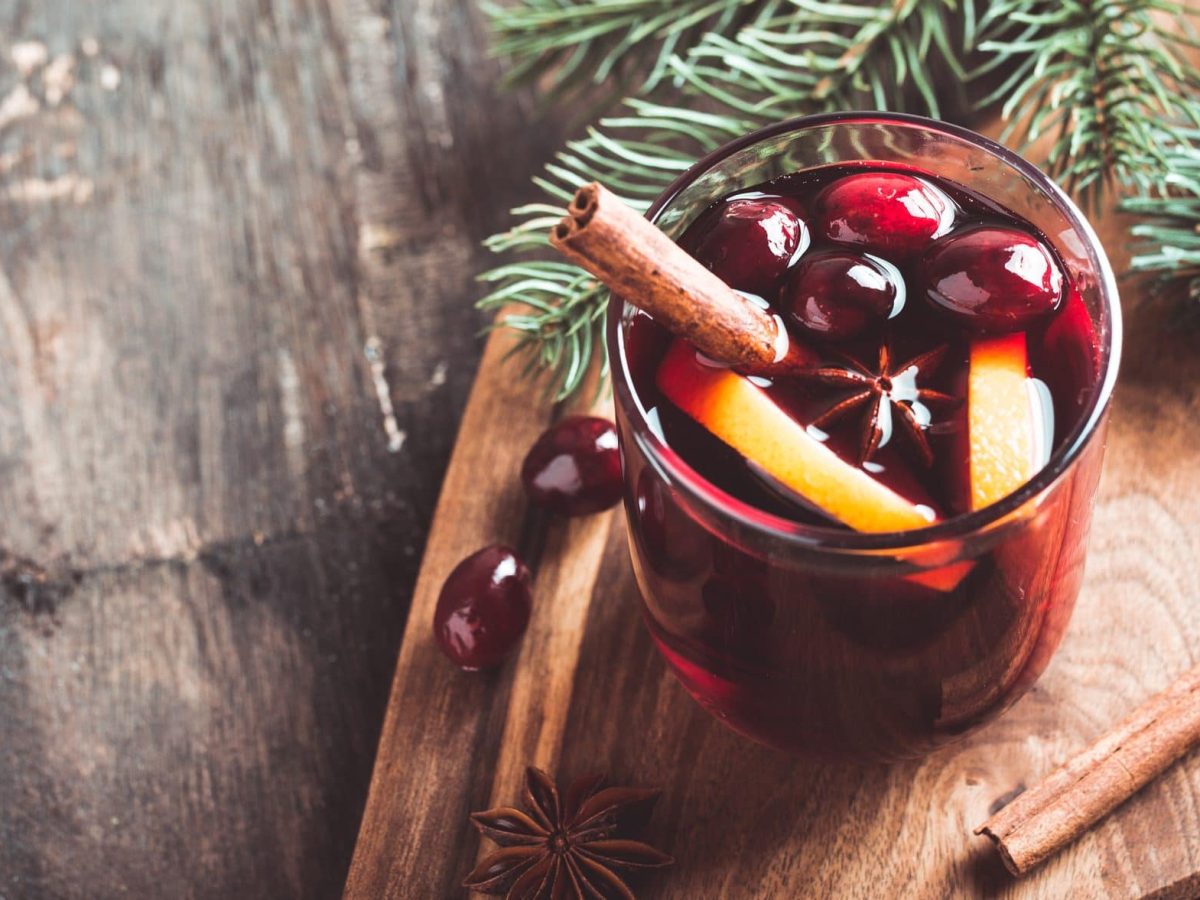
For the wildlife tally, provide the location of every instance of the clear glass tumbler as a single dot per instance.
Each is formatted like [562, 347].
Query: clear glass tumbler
[837, 643]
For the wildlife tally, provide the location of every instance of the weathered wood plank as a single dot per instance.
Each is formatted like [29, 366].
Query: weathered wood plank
[237, 243]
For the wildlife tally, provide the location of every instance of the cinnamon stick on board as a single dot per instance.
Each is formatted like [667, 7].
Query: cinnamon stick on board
[640, 264]
[1047, 817]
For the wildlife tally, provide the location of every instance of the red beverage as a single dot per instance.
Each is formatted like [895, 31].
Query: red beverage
[874, 555]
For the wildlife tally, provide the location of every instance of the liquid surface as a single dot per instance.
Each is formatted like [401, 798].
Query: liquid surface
[917, 273]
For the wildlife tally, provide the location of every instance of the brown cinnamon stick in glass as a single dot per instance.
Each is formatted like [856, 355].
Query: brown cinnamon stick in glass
[640, 264]
[1047, 817]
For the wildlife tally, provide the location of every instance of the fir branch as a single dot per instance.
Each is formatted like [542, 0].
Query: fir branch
[562, 325]
[819, 55]
[1169, 238]
[592, 41]
[1104, 79]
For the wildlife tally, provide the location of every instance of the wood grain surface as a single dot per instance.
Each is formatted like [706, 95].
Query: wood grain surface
[237, 243]
[744, 821]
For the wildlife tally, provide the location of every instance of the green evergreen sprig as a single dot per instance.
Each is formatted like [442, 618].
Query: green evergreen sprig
[590, 42]
[1169, 235]
[813, 56]
[1103, 78]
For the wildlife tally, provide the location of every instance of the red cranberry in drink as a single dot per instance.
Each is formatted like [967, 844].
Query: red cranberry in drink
[750, 244]
[740, 610]
[678, 547]
[483, 608]
[992, 280]
[840, 294]
[574, 468]
[890, 214]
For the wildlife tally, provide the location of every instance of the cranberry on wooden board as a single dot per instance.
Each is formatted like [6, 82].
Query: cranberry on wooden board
[574, 468]
[483, 608]
[992, 280]
[750, 243]
[840, 294]
[887, 213]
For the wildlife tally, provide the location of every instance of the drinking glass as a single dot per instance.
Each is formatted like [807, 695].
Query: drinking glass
[832, 642]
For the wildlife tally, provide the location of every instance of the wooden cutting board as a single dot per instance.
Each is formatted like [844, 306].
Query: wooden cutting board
[587, 691]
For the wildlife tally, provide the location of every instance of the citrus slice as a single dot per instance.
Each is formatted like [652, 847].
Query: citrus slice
[946, 578]
[744, 416]
[1008, 433]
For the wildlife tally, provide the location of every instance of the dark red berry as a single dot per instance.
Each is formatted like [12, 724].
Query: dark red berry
[483, 608]
[574, 468]
[740, 609]
[750, 243]
[840, 294]
[993, 279]
[676, 546]
[893, 215]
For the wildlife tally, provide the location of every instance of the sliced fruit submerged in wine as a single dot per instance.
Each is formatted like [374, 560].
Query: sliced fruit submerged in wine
[744, 416]
[1009, 419]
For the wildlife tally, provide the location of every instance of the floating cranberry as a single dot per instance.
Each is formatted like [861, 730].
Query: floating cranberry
[893, 215]
[993, 279]
[840, 294]
[483, 608]
[750, 244]
[676, 546]
[740, 609]
[574, 468]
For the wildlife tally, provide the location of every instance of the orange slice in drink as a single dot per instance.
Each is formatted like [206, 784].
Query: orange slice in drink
[744, 416]
[1007, 426]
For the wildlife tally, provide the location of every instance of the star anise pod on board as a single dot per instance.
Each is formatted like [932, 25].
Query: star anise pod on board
[891, 396]
[566, 846]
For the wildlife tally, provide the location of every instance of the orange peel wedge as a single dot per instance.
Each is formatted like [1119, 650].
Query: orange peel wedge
[1005, 435]
[744, 416]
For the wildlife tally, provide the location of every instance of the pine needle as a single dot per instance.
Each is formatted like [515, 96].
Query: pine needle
[1105, 79]
[591, 41]
[1169, 237]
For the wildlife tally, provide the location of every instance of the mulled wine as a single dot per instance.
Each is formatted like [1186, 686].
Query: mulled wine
[952, 354]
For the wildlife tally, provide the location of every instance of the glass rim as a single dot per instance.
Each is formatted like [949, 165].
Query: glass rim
[823, 537]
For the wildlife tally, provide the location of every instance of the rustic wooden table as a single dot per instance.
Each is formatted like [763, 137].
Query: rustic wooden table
[237, 243]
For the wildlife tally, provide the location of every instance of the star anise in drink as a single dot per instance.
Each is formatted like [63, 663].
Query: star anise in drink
[891, 397]
[567, 846]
